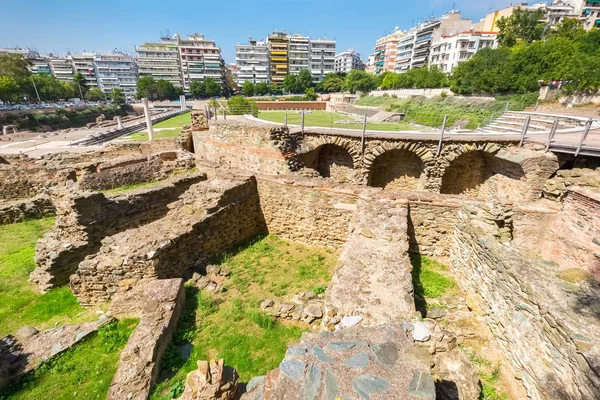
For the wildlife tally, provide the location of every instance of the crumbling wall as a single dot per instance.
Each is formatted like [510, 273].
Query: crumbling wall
[209, 218]
[301, 210]
[549, 330]
[84, 219]
[431, 221]
[21, 210]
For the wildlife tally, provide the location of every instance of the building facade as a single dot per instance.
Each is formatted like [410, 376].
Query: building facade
[449, 51]
[278, 56]
[160, 60]
[200, 58]
[299, 53]
[322, 58]
[62, 69]
[347, 61]
[84, 64]
[385, 52]
[252, 62]
[116, 71]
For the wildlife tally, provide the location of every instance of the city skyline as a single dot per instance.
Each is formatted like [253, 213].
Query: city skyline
[350, 27]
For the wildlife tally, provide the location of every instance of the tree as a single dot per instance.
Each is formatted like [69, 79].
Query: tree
[304, 80]
[248, 89]
[239, 105]
[165, 90]
[522, 25]
[275, 89]
[290, 83]
[332, 83]
[95, 94]
[261, 88]
[197, 89]
[9, 90]
[117, 96]
[68, 90]
[359, 81]
[14, 66]
[230, 83]
[568, 28]
[211, 87]
[146, 87]
[310, 94]
[81, 83]
[488, 71]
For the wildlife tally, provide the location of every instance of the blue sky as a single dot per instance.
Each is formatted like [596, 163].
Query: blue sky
[59, 26]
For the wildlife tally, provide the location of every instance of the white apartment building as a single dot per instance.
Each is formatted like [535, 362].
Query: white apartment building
[404, 51]
[347, 61]
[84, 64]
[322, 58]
[62, 69]
[252, 62]
[116, 71]
[449, 51]
[200, 58]
[160, 60]
[299, 51]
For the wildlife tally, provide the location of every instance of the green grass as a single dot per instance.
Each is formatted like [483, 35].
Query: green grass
[20, 302]
[431, 280]
[489, 376]
[133, 186]
[83, 372]
[173, 127]
[327, 119]
[230, 325]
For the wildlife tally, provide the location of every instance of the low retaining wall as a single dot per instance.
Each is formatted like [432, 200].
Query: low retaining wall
[22, 210]
[291, 105]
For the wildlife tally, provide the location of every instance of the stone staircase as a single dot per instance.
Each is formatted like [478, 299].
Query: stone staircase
[513, 121]
[385, 116]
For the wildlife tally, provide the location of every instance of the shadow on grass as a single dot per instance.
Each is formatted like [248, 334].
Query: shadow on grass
[419, 291]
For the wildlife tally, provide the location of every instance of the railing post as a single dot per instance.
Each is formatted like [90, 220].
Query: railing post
[224, 114]
[215, 108]
[302, 122]
[439, 147]
[362, 136]
[588, 125]
[285, 119]
[525, 128]
[552, 133]
[506, 108]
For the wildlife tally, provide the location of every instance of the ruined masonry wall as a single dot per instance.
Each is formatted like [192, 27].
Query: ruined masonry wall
[550, 335]
[22, 210]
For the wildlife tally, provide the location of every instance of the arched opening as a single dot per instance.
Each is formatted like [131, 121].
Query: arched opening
[397, 169]
[480, 174]
[330, 161]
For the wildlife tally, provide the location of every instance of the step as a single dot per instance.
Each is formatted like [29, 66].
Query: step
[505, 128]
[531, 126]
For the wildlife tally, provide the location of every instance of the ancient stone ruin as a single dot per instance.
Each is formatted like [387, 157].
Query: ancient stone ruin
[511, 221]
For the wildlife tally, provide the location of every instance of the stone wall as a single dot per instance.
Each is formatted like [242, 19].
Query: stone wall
[304, 211]
[547, 328]
[84, 219]
[209, 218]
[20, 210]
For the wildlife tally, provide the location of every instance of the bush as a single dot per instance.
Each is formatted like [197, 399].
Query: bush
[394, 96]
[239, 105]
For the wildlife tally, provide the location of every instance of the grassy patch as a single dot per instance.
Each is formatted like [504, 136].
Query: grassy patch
[133, 186]
[574, 275]
[20, 302]
[82, 372]
[327, 120]
[169, 128]
[230, 325]
[431, 279]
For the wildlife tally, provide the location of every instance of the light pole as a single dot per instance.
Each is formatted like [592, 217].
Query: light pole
[36, 91]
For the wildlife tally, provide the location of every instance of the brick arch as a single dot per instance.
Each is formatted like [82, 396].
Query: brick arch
[460, 149]
[351, 146]
[418, 149]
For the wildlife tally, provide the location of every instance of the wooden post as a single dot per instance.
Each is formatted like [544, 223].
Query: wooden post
[552, 133]
[588, 125]
[302, 122]
[525, 128]
[362, 136]
[439, 148]
[224, 114]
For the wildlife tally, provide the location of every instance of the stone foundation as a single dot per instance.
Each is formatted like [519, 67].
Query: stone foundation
[21, 210]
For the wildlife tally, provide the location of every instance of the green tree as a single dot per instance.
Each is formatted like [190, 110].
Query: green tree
[303, 80]
[261, 89]
[211, 87]
[332, 83]
[248, 89]
[49, 88]
[568, 28]
[117, 96]
[239, 105]
[359, 81]
[81, 83]
[14, 66]
[197, 89]
[68, 90]
[522, 25]
[166, 91]
[95, 94]
[9, 89]
[274, 89]
[290, 83]
[310, 94]
[146, 87]
[230, 83]
[488, 71]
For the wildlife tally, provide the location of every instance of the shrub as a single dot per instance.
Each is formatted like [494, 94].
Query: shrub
[239, 105]
[394, 96]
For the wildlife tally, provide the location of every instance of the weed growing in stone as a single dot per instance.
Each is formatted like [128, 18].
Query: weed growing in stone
[230, 324]
[20, 302]
[431, 279]
[82, 372]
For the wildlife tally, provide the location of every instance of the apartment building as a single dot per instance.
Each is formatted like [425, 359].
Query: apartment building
[160, 60]
[385, 52]
[116, 71]
[278, 56]
[347, 61]
[322, 58]
[84, 64]
[62, 69]
[252, 62]
[404, 51]
[299, 52]
[449, 51]
[200, 58]
[40, 64]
